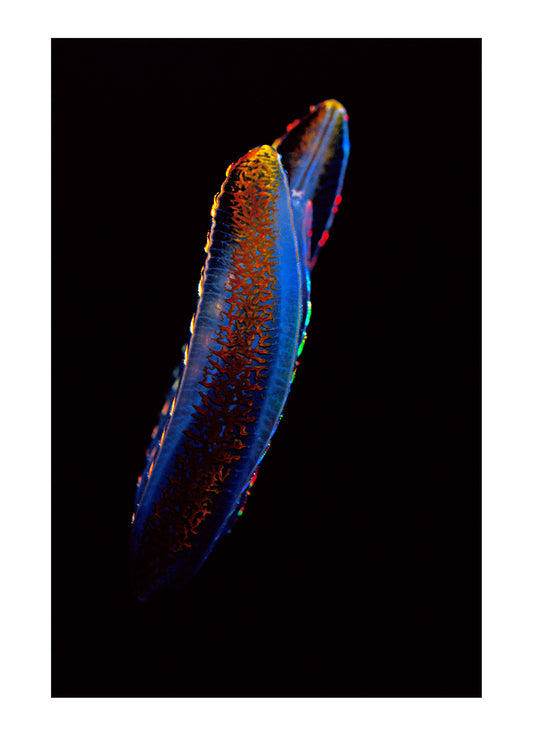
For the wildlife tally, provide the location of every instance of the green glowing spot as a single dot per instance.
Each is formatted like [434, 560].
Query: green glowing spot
[304, 337]
[308, 315]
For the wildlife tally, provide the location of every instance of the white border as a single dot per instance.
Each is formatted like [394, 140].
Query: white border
[498, 722]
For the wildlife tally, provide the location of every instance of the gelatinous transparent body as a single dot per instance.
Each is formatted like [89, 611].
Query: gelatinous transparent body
[247, 332]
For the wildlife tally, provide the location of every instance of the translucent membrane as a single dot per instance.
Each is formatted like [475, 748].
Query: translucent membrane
[314, 152]
[225, 405]
[270, 221]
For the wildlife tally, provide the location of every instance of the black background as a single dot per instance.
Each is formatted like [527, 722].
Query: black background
[355, 570]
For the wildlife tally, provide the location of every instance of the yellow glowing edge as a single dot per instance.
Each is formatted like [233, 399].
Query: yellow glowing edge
[173, 403]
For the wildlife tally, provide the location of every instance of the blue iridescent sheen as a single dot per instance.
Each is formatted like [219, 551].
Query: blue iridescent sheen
[270, 220]
[234, 383]
[314, 151]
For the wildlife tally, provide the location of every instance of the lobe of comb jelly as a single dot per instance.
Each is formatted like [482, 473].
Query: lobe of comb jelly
[269, 221]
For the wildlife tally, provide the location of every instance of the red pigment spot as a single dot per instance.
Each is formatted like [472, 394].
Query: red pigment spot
[323, 238]
[292, 125]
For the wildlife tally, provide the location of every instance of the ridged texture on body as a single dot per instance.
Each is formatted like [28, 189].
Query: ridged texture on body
[227, 401]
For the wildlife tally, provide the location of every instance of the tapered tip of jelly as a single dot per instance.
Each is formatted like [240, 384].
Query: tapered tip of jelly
[329, 111]
[263, 158]
[332, 105]
[260, 168]
[329, 108]
[314, 152]
[264, 152]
